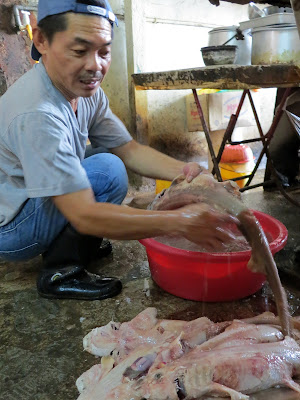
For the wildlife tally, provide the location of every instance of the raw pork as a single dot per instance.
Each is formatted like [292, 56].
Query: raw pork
[233, 358]
[146, 330]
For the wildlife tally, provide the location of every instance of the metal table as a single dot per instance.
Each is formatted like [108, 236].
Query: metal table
[231, 77]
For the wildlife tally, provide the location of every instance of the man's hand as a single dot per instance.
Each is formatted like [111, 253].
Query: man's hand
[193, 169]
[146, 161]
[205, 226]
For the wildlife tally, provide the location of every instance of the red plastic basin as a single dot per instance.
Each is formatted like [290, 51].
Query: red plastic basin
[210, 276]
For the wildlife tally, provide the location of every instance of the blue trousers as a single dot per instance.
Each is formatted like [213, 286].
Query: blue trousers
[39, 222]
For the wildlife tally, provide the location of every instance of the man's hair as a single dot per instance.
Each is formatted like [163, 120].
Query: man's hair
[59, 22]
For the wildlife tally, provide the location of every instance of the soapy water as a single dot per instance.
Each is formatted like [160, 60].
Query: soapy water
[239, 244]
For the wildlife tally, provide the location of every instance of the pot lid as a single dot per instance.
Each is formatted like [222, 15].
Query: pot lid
[224, 28]
[279, 27]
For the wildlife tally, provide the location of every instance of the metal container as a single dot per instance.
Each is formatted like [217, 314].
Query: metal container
[273, 19]
[277, 44]
[275, 10]
[218, 36]
[219, 55]
[254, 11]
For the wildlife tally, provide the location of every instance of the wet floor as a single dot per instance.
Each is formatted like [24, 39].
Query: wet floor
[41, 340]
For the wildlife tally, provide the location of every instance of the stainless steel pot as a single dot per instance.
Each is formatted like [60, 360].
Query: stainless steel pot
[218, 36]
[275, 10]
[275, 44]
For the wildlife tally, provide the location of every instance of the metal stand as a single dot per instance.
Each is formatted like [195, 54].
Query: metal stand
[265, 139]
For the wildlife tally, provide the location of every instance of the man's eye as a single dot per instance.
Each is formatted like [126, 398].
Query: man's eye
[79, 52]
[105, 53]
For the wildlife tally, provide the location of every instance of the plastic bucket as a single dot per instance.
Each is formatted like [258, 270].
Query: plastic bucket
[236, 161]
[235, 170]
[211, 276]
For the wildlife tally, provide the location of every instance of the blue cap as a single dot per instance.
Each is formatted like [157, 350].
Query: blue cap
[52, 7]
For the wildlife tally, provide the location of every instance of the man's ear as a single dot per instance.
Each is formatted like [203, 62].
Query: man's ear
[39, 40]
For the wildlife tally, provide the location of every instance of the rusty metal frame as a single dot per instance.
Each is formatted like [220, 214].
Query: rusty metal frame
[207, 136]
[264, 138]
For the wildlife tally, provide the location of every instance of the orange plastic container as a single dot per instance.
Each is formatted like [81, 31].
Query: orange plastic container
[210, 276]
[236, 161]
[161, 184]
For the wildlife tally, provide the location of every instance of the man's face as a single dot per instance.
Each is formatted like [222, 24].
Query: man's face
[78, 59]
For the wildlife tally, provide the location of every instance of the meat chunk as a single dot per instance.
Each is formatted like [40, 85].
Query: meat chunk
[145, 330]
[94, 374]
[232, 371]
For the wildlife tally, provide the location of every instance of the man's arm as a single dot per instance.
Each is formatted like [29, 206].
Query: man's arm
[149, 162]
[110, 220]
[196, 222]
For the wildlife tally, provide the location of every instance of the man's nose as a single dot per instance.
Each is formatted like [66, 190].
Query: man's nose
[94, 63]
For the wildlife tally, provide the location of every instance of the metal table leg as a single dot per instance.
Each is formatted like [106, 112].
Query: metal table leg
[230, 128]
[208, 139]
[265, 139]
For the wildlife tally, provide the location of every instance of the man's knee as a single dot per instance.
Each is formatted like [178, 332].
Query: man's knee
[108, 177]
[118, 174]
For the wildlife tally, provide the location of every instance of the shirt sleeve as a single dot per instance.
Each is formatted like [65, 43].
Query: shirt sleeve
[106, 129]
[43, 145]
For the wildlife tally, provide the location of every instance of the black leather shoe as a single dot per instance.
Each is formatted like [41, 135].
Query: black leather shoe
[74, 282]
[104, 250]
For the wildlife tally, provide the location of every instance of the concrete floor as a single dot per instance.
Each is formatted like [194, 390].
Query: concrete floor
[41, 340]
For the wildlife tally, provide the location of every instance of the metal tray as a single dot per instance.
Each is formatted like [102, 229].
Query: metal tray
[273, 19]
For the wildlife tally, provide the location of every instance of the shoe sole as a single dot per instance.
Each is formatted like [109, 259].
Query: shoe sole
[68, 297]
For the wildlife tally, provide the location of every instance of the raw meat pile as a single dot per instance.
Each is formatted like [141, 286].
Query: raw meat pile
[153, 359]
